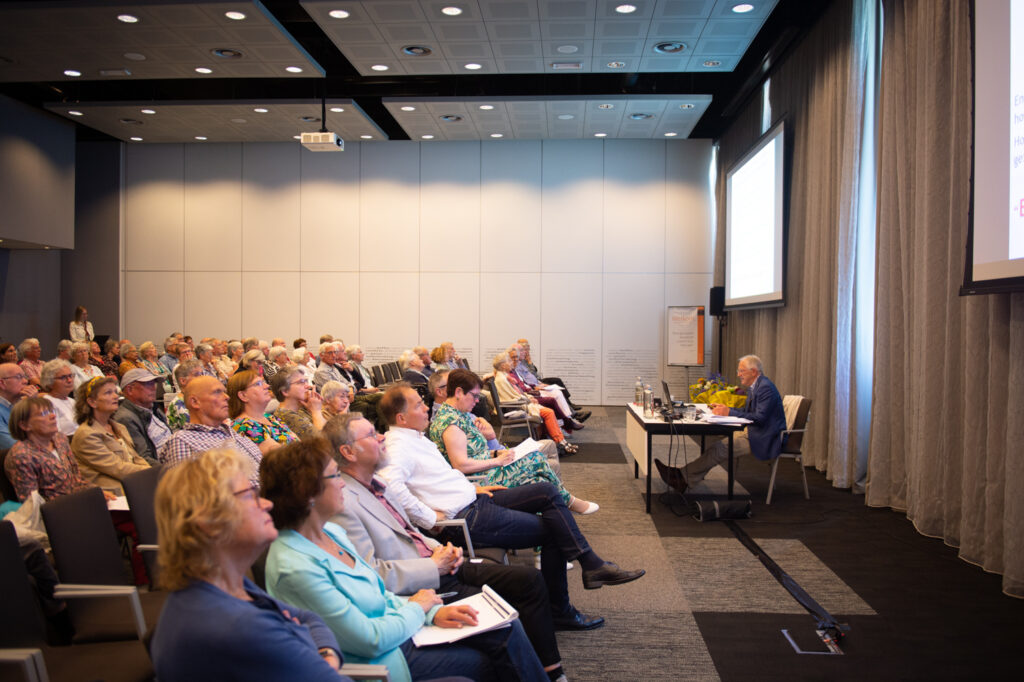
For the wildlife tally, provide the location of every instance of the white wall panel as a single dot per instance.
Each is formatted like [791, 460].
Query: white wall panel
[211, 304]
[389, 314]
[634, 205]
[153, 305]
[571, 341]
[690, 239]
[389, 207]
[330, 210]
[450, 311]
[510, 310]
[154, 206]
[632, 333]
[329, 305]
[450, 207]
[510, 206]
[573, 212]
[270, 208]
[213, 207]
[270, 304]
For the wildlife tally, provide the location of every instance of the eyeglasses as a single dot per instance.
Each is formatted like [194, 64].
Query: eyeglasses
[44, 413]
[15, 376]
[337, 474]
[250, 493]
[65, 377]
[299, 381]
[442, 386]
[258, 382]
[475, 396]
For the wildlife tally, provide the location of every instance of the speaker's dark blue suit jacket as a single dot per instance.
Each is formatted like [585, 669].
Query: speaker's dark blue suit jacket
[764, 410]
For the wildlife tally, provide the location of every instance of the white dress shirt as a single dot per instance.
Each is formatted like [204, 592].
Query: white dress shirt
[421, 479]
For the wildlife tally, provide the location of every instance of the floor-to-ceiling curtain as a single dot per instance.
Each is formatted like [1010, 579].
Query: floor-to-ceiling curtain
[808, 346]
[947, 424]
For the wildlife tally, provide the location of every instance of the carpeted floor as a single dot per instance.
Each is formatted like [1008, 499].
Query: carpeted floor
[708, 609]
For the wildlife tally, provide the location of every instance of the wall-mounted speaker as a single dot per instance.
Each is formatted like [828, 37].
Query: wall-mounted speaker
[717, 301]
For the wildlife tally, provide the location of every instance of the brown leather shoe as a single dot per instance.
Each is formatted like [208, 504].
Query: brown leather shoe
[673, 476]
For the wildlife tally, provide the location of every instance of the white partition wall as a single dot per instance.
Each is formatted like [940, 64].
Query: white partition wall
[578, 245]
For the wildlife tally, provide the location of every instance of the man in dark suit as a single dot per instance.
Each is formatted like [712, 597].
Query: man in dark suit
[761, 437]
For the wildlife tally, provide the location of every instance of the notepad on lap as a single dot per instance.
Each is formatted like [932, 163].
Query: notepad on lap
[493, 612]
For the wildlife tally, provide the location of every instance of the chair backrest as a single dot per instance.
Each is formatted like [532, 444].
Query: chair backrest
[21, 622]
[140, 489]
[396, 370]
[389, 372]
[797, 409]
[82, 536]
[378, 375]
[6, 487]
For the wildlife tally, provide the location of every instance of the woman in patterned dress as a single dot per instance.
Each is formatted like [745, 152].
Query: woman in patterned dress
[457, 436]
[248, 397]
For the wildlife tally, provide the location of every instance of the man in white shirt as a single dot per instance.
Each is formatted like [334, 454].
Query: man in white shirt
[430, 490]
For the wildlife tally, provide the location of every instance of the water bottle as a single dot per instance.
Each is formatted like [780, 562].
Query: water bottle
[638, 392]
[648, 402]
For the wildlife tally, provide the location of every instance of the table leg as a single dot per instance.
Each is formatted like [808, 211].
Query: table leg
[649, 465]
[730, 465]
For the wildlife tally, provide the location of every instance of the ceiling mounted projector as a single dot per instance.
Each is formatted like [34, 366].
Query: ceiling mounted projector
[322, 142]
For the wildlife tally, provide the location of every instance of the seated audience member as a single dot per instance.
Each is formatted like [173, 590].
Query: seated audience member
[455, 433]
[147, 427]
[561, 408]
[508, 393]
[299, 343]
[207, 428]
[235, 353]
[8, 353]
[304, 360]
[451, 357]
[326, 371]
[252, 361]
[336, 398]
[129, 360]
[409, 561]
[275, 342]
[177, 410]
[430, 490]
[204, 354]
[170, 357]
[221, 360]
[412, 368]
[356, 357]
[250, 343]
[425, 357]
[110, 361]
[760, 438]
[541, 389]
[30, 352]
[216, 624]
[248, 397]
[528, 372]
[58, 383]
[82, 368]
[102, 446]
[278, 360]
[150, 362]
[313, 565]
[41, 458]
[350, 374]
[96, 355]
[437, 385]
[301, 407]
[80, 328]
[13, 387]
[63, 350]
[437, 357]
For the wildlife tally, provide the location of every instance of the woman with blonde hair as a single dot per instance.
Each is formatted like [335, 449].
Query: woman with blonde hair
[102, 446]
[217, 624]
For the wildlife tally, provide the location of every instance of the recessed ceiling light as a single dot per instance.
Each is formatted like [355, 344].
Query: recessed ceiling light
[337, 110]
[616, 65]
[72, 73]
[451, 118]
[203, 69]
[226, 53]
[379, 67]
[486, 107]
[670, 47]
[366, 137]
[600, 134]
[565, 117]
[127, 18]
[148, 111]
[427, 137]
[75, 112]
[238, 120]
[687, 105]
[338, 14]
[497, 135]
[417, 50]
[473, 66]
[568, 49]
[605, 106]
[201, 137]
[408, 108]
[742, 8]
[640, 116]
[293, 69]
[235, 16]
[625, 9]
[671, 134]
[711, 63]
[135, 139]
[260, 110]
[451, 11]
[135, 56]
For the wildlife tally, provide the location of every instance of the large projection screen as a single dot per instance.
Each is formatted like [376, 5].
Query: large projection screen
[756, 224]
[995, 248]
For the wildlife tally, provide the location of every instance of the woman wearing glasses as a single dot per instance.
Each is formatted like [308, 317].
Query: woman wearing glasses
[58, 383]
[248, 397]
[300, 405]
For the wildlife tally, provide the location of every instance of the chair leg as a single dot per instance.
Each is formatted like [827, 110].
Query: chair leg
[771, 481]
[803, 472]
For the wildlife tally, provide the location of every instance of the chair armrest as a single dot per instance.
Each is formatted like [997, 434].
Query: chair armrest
[465, 533]
[29, 661]
[476, 478]
[366, 671]
[76, 591]
[147, 548]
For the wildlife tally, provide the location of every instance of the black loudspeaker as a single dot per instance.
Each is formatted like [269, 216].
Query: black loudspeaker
[717, 301]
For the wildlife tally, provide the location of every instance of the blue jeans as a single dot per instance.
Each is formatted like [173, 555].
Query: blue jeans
[528, 516]
[504, 654]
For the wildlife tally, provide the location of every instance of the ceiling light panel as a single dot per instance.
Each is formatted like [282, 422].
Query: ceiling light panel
[173, 37]
[523, 36]
[235, 121]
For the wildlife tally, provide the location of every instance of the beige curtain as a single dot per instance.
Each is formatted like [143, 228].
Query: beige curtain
[807, 345]
[946, 425]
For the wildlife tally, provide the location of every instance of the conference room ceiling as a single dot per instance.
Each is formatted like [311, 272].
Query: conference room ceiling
[548, 69]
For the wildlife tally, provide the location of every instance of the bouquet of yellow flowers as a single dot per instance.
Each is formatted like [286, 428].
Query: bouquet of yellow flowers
[715, 389]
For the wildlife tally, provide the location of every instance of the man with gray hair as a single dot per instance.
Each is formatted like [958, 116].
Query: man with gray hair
[64, 350]
[326, 371]
[170, 357]
[278, 360]
[147, 427]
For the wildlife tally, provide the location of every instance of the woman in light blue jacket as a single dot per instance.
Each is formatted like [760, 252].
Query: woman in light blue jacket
[313, 565]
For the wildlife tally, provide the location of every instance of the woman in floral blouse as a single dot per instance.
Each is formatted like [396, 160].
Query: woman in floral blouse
[248, 397]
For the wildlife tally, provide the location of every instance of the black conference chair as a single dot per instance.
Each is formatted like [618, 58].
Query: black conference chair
[140, 489]
[378, 376]
[6, 488]
[511, 415]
